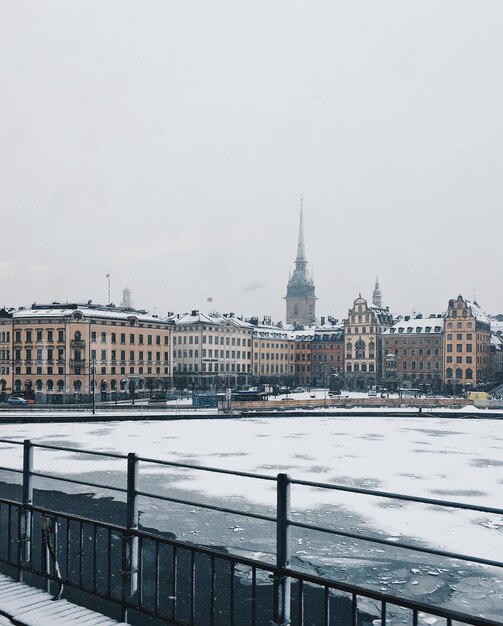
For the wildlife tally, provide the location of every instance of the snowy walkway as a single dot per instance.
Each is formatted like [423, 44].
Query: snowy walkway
[27, 606]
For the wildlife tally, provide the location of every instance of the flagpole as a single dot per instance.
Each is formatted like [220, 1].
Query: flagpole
[108, 277]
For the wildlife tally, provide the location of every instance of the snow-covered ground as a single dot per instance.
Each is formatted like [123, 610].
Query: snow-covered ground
[443, 458]
[459, 460]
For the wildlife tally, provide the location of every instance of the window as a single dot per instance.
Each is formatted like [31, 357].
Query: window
[93, 336]
[103, 337]
[61, 335]
[113, 338]
[49, 335]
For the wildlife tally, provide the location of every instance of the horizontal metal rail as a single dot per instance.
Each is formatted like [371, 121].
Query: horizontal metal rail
[210, 507]
[74, 579]
[450, 614]
[396, 544]
[398, 496]
[75, 481]
[134, 540]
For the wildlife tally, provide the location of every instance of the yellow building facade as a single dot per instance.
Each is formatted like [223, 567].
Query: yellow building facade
[56, 353]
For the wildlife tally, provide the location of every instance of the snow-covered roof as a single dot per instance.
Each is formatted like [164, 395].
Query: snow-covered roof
[111, 313]
[272, 332]
[479, 315]
[210, 319]
[422, 325]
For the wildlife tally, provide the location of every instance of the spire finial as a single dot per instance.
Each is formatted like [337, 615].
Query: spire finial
[301, 256]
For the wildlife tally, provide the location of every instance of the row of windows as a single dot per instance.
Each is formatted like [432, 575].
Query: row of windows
[212, 353]
[39, 335]
[459, 373]
[132, 338]
[213, 367]
[132, 355]
[459, 359]
[360, 367]
[459, 347]
[414, 352]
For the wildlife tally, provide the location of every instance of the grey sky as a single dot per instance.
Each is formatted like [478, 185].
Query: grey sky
[168, 143]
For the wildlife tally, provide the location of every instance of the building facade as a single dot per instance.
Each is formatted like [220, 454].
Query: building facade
[412, 354]
[211, 351]
[363, 331]
[273, 354]
[300, 293]
[327, 353]
[466, 346]
[58, 353]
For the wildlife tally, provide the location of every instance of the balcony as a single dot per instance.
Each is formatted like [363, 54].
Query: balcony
[77, 344]
[77, 363]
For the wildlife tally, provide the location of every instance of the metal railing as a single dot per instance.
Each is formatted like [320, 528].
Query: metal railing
[179, 582]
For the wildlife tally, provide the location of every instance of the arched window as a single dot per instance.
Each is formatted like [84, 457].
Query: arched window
[39, 385]
[123, 385]
[459, 373]
[113, 385]
[28, 385]
[50, 385]
[360, 349]
[61, 385]
[77, 385]
[77, 336]
[3, 385]
[448, 372]
[469, 374]
[103, 385]
[17, 385]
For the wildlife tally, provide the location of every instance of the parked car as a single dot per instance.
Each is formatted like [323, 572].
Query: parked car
[16, 400]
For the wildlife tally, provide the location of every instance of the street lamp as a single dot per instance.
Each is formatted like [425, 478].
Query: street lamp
[92, 374]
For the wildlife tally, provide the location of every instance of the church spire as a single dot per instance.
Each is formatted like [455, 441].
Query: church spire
[300, 297]
[377, 295]
[301, 261]
[301, 254]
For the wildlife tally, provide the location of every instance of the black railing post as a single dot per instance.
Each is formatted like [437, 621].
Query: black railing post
[282, 583]
[25, 538]
[132, 557]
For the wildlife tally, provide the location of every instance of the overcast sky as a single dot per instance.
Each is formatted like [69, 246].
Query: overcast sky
[168, 143]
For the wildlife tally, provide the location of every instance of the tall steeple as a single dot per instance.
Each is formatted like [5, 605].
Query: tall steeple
[377, 295]
[300, 297]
